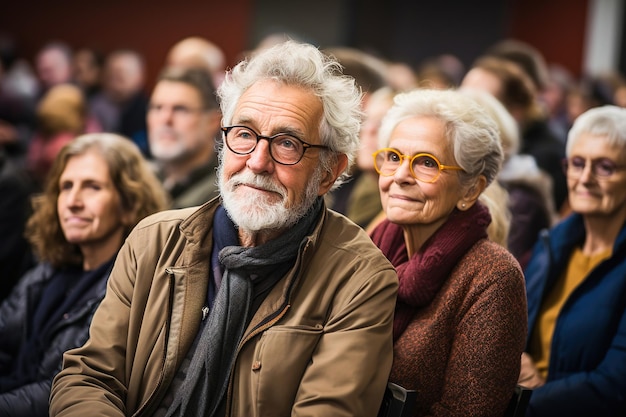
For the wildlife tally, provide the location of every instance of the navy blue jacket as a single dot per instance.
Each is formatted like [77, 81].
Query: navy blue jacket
[16, 314]
[587, 369]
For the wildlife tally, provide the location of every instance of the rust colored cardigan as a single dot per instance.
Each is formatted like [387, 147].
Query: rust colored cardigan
[461, 353]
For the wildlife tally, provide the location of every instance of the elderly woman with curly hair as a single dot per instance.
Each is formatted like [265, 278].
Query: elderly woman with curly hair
[460, 317]
[99, 187]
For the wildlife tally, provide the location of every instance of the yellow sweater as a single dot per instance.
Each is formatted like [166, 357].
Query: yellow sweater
[579, 267]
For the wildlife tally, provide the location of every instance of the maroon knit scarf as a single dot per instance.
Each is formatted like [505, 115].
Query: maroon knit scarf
[421, 276]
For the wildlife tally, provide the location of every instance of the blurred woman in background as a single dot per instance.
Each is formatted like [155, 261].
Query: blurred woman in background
[98, 189]
[576, 351]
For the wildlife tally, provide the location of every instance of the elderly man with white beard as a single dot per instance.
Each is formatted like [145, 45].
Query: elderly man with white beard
[261, 302]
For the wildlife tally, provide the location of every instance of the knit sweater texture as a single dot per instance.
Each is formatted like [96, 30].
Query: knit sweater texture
[461, 353]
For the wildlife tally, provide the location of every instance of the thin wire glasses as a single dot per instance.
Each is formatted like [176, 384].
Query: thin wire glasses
[600, 168]
[285, 148]
[423, 166]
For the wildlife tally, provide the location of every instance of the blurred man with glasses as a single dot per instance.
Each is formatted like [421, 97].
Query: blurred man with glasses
[183, 123]
[261, 302]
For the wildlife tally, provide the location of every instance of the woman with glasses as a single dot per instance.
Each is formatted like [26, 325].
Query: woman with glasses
[460, 318]
[576, 281]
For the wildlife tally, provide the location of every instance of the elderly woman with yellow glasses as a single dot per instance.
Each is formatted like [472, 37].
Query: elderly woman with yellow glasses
[460, 319]
[576, 281]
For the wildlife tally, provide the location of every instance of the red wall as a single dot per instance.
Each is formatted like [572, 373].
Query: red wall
[150, 27]
[555, 27]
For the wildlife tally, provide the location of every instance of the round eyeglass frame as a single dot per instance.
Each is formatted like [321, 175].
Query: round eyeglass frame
[411, 158]
[576, 172]
[226, 129]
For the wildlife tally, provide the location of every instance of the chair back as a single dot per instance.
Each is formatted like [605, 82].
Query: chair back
[400, 402]
[519, 402]
[397, 401]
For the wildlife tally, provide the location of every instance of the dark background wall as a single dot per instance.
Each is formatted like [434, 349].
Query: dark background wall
[398, 30]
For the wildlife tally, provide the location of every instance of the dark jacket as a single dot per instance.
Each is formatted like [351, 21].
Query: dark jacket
[15, 254]
[587, 369]
[199, 187]
[549, 152]
[16, 314]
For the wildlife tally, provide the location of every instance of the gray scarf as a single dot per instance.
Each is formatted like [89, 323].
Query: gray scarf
[248, 272]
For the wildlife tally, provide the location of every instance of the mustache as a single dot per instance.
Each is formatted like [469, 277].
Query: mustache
[257, 181]
[165, 130]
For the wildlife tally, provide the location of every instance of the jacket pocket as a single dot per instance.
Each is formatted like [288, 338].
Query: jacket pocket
[280, 358]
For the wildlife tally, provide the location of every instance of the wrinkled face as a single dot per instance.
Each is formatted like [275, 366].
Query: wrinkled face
[178, 126]
[589, 194]
[89, 207]
[257, 192]
[407, 201]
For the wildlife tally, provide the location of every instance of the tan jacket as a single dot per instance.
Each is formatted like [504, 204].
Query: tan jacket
[319, 345]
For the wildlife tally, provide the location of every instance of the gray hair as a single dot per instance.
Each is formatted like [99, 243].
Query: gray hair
[470, 130]
[198, 79]
[509, 129]
[608, 121]
[304, 65]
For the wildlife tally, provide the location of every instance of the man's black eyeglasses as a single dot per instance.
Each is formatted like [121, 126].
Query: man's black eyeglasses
[285, 148]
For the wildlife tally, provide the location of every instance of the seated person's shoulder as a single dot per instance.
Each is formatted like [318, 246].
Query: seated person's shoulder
[344, 238]
[487, 251]
[173, 217]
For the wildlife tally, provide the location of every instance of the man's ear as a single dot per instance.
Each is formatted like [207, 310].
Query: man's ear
[331, 176]
[472, 193]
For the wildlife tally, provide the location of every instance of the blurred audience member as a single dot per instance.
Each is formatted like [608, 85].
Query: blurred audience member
[554, 98]
[401, 77]
[576, 356]
[122, 104]
[272, 38]
[529, 188]
[15, 254]
[17, 76]
[509, 84]
[441, 72]
[619, 95]
[369, 71]
[183, 123]
[99, 188]
[53, 64]
[370, 75]
[592, 91]
[529, 59]
[18, 90]
[62, 115]
[198, 52]
[87, 69]
[363, 203]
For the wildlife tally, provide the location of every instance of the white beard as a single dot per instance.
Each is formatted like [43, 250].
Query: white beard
[253, 214]
[172, 151]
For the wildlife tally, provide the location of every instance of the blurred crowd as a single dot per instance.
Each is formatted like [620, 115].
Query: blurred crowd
[64, 93]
